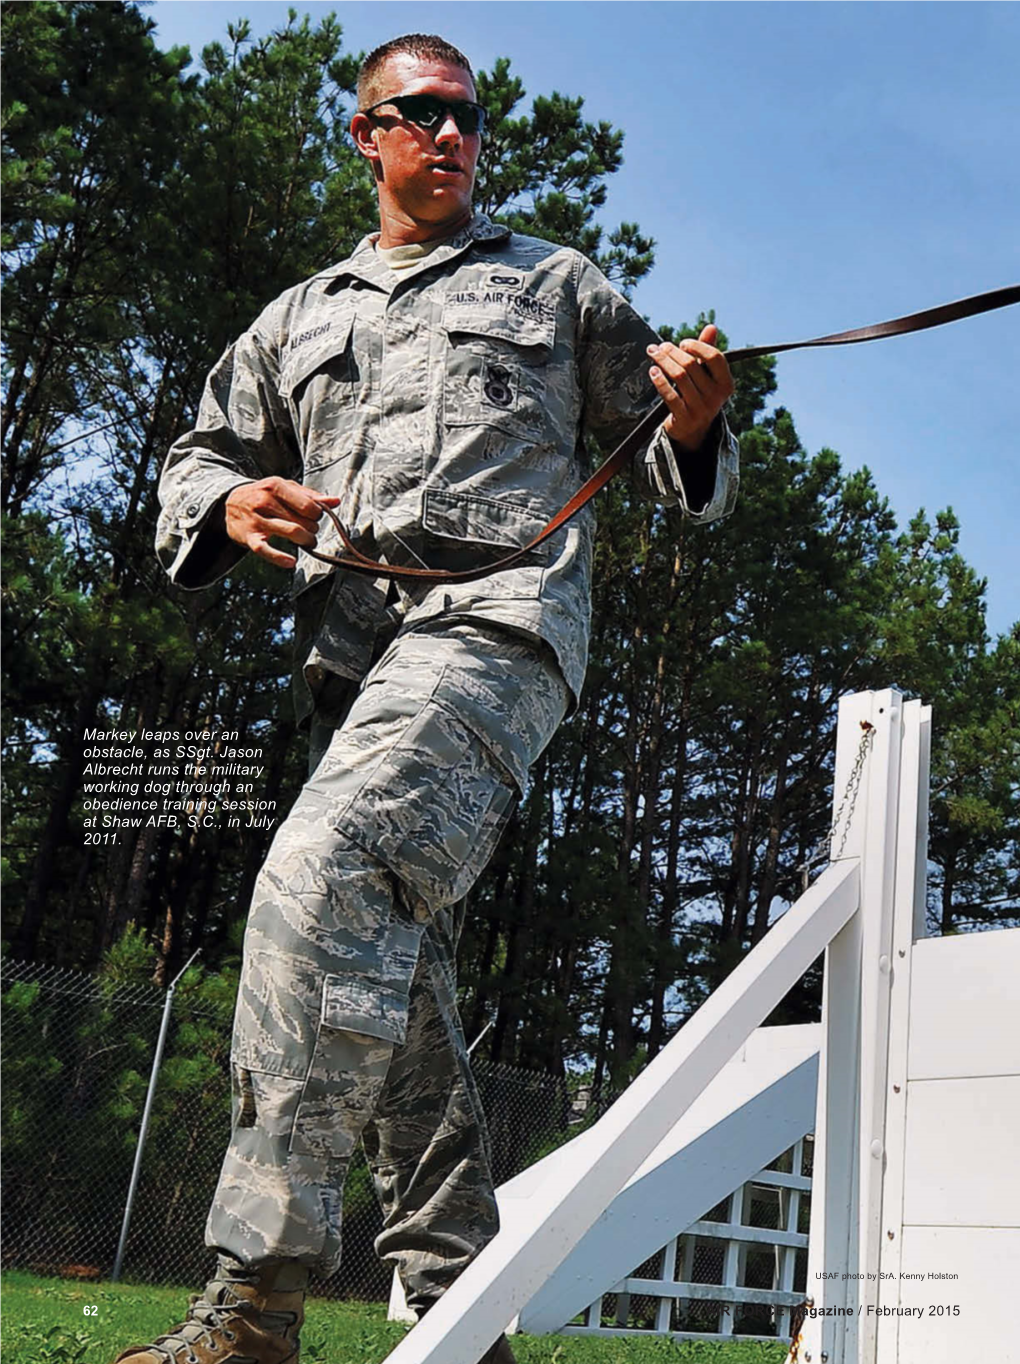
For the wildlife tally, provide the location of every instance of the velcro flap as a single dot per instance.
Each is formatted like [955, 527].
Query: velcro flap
[350, 1004]
[468, 516]
[520, 318]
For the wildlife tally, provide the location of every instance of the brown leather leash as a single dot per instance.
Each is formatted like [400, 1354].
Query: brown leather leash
[356, 562]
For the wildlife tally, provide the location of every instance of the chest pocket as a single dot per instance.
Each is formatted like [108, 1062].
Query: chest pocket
[321, 380]
[497, 369]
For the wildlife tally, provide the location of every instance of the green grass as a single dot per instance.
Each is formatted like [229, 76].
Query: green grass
[45, 1323]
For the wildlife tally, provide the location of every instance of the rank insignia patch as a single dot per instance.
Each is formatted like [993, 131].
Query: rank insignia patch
[497, 387]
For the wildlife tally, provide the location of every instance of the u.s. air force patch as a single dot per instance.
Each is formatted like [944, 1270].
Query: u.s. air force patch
[501, 301]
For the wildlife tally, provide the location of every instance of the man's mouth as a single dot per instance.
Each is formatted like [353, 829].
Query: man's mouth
[447, 168]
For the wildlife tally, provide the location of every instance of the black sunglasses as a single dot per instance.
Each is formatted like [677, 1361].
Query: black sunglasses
[428, 111]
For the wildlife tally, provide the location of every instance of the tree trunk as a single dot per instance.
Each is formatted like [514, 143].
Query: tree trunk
[770, 862]
[508, 1018]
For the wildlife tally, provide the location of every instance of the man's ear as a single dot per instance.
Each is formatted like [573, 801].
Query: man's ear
[363, 132]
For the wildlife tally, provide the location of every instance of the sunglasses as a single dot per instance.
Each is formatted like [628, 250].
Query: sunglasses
[428, 112]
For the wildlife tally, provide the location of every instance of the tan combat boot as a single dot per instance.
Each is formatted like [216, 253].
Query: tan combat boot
[233, 1323]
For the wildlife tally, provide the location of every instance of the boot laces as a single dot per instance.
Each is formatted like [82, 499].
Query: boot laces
[203, 1318]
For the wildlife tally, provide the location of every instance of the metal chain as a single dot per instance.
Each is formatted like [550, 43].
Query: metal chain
[848, 803]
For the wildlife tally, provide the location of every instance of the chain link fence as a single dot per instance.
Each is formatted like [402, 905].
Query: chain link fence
[76, 1060]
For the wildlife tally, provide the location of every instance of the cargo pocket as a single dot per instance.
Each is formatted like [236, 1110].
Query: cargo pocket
[350, 1004]
[434, 809]
[349, 1066]
[466, 529]
[479, 520]
[496, 371]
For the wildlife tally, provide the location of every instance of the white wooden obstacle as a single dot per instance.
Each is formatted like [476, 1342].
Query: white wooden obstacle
[917, 1142]
[760, 1104]
[868, 1151]
[729, 1241]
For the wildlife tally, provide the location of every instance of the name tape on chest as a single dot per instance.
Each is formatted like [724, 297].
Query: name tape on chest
[309, 335]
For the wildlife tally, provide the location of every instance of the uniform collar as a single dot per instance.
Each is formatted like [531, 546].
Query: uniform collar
[366, 264]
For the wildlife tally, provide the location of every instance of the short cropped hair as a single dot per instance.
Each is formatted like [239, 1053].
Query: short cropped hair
[421, 45]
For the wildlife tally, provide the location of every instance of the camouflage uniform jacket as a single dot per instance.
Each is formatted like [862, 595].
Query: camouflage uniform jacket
[446, 406]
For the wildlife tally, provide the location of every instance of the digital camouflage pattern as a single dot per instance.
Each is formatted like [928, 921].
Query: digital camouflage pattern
[346, 1023]
[447, 406]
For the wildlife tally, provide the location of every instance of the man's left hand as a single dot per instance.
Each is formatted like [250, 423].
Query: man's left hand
[694, 380]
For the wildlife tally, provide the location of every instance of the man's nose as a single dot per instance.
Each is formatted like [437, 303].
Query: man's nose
[448, 133]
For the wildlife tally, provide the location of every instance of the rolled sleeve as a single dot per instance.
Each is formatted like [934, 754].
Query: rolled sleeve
[659, 473]
[180, 529]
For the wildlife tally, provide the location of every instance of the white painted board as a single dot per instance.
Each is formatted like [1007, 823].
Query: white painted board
[987, 1261]
[965, 1005]
[962, 1165]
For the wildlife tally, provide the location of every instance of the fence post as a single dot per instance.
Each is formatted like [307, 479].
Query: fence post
[480, 1036]
[146, 1112]
[849, 1132]
[908, 926]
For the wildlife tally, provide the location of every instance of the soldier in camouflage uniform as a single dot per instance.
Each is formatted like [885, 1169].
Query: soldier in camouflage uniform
[435, 388]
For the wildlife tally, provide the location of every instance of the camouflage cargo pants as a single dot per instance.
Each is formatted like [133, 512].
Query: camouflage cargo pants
[346, 1024]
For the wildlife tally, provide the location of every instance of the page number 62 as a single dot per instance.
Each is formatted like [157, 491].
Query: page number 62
[90, 1310]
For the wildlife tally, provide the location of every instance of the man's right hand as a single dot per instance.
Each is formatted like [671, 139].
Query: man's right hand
[274, 507]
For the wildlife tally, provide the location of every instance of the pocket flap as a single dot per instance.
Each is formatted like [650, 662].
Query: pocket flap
[486, 520]
[350, 1004]
[311, 349]
[527, 322]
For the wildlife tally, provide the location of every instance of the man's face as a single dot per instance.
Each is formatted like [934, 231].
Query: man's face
[426, 174]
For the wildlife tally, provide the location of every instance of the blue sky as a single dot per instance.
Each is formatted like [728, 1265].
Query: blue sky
[803, 168]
